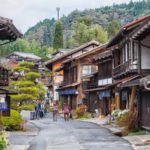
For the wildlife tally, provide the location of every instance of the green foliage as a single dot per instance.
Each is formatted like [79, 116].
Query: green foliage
[135, 133]
[58, 36]
[97, 33]
[26, 107]
[32, 75]
[113, 28]
[34, 91]
[43, 32]
[26, 64]
[13, 122]
[81, 33]
[20, 69]
[24, 83]
[3, 145]
[21, 97]
[41, 91]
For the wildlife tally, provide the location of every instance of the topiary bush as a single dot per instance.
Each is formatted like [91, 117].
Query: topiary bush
[27, 107]
[13, 122]
[32, 75]
[3, 145]
[26, 64]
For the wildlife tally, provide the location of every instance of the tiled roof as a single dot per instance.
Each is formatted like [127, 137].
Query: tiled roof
[27, 55]
[8, 30]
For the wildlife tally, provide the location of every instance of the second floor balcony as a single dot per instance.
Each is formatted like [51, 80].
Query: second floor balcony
[124, 68]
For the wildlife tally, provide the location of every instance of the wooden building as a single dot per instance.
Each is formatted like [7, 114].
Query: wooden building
[77, 74]
[8, 33]
[131, 64]
[56, 68]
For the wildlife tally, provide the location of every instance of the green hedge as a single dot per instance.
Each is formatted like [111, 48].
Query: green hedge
[3, 145]
[13, 122]
[27, 107]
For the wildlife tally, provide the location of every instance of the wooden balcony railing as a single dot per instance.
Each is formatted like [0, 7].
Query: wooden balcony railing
[123, 68]
[4, 80]
[91, 85]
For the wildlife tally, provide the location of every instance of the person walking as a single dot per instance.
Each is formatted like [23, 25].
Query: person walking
[37, 110]
[66, 111]
[55, 112]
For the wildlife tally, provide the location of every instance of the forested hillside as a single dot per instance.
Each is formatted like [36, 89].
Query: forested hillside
[77, 28]
[43, 32]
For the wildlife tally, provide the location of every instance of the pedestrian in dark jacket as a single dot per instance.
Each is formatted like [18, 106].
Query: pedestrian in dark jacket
[55, 112]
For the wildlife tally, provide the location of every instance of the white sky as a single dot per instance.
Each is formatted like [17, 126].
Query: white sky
[26, 13]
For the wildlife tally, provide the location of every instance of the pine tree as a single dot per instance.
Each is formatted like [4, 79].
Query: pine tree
[58, 36]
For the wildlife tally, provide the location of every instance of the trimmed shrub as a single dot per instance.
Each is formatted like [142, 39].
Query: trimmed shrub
[27, 107]
[26, 64]
[20, 69]
[3, 145]
[13, 122]
[32, 76]
[25, 83]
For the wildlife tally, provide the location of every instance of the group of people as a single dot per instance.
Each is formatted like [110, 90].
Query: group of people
[40, 109]
[66, 112]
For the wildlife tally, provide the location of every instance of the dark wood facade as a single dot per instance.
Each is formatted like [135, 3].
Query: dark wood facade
[131, 53]
[4, 76]
[8, 32]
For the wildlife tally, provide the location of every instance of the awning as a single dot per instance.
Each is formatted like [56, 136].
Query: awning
[103, 55]
[95, 89]
[67, 92]
[103, 94]
[70, 85]
[131, 81]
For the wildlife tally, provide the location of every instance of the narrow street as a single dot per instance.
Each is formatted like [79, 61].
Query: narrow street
[72, 135]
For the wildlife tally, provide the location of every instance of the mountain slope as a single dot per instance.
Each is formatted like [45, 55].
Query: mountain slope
[43, 32]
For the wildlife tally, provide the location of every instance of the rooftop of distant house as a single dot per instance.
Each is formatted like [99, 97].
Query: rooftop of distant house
[26, 55]
[70, 52]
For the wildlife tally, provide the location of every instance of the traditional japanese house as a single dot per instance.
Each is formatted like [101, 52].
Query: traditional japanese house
[16, 57]
[8, 33]
[105, 87]
[56, 67]
[77, 74]
[131, 53]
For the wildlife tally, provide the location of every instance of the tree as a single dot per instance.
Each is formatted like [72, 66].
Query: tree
[97, 33]
[113, 28]
[81, 33]
[58, 36]
[28, 90]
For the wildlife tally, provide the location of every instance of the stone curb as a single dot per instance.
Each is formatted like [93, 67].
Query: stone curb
[18, 147]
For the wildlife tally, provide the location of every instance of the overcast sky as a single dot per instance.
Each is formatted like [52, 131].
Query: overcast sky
[26, 13]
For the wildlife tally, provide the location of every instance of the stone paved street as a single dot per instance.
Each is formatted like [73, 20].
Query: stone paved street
[72, 135]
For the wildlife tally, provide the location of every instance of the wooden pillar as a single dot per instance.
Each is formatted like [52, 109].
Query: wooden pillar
[132, 98]
[117, 98]
[1, 122]
[139, 107]
[139, 57]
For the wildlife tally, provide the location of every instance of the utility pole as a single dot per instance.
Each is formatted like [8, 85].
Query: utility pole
[58, 10]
